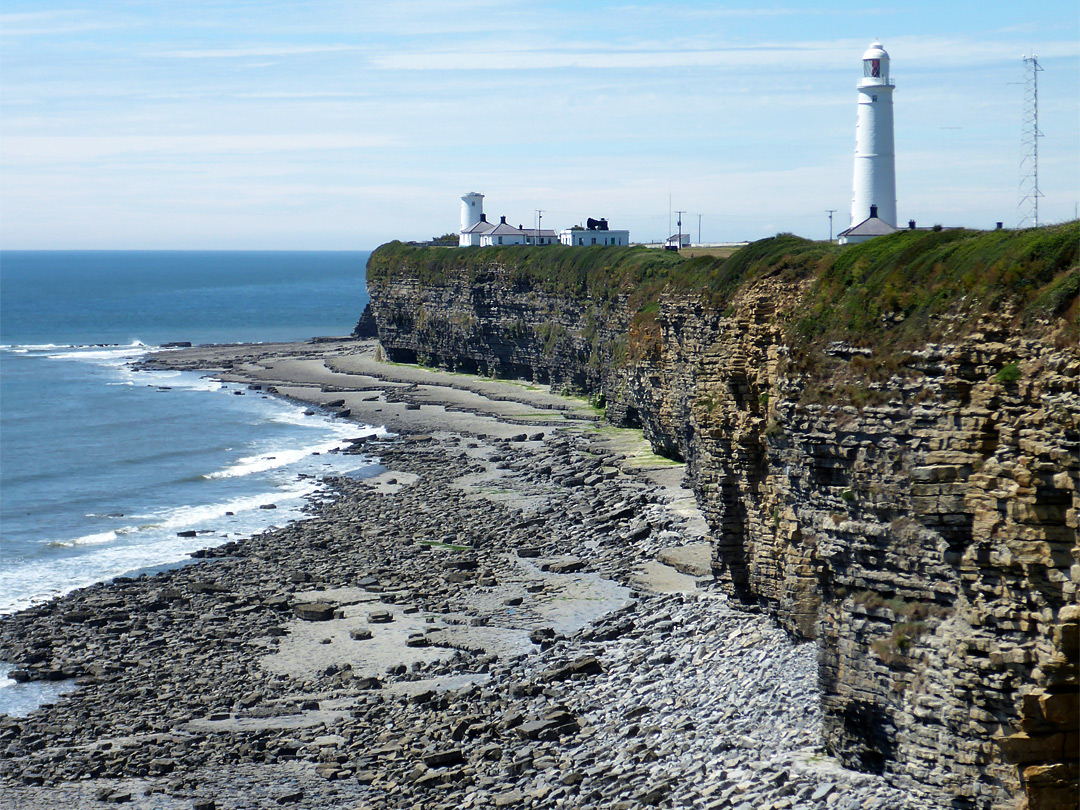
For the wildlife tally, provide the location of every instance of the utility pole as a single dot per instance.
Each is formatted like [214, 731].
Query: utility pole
[1029, 161]
[539, 219]
[699, 229]
[830, 212]
[680, 213]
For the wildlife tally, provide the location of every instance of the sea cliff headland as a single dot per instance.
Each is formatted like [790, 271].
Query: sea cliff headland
[882, 437]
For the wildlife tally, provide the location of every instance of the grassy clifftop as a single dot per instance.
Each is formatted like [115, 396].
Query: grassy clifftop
[889, 291]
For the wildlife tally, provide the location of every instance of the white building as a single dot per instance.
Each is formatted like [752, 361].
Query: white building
[867, 229]
[678, 240]
[474, 223]
[585, 237]
[472, 236]
[541, 236]
[875, 158]
[476, 231]
[503, 234]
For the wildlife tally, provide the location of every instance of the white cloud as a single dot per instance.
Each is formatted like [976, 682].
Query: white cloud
[776, 57]
[27, 150]
[252, 51]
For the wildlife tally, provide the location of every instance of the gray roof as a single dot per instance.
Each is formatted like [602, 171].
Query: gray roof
[871, 226]
[503, 229]
[483, 226]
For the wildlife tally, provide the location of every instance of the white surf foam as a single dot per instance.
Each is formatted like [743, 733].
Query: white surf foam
[151, 543]
[273, 460]
[107, 355]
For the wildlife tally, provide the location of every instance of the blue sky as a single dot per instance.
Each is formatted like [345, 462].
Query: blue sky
[341, 125]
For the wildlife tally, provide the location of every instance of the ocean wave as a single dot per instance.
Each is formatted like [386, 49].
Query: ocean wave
[36, 347]
[97, 539]
[272, 460]
[107, 355]
[196, 516]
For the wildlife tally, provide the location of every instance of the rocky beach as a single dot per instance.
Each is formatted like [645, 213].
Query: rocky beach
[517, 610]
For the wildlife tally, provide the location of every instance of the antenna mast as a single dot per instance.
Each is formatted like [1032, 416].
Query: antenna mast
[1029, 160]
[830, 212]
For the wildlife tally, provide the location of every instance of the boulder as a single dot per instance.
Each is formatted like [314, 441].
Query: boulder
[315, 612]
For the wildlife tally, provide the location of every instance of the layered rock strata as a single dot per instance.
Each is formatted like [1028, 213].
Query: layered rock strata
[926, 537]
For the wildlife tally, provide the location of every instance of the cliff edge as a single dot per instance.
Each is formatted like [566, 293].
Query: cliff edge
[884, 438]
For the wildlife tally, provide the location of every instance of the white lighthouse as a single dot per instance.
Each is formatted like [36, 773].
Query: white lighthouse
[875, 156]
[472, 212]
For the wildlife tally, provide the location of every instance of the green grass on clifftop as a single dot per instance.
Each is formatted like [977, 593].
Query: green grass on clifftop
[906, 288]
[596, 272]
[915, 286]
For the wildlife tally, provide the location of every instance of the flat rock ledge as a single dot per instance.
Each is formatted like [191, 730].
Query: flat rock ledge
[486, 635]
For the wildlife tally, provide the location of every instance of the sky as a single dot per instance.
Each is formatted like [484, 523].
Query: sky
[340, 125]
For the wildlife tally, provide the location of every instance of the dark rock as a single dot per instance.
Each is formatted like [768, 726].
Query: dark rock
[570, 566]
[441, 759]
[555, 724]
[315, 612]
[586, 665]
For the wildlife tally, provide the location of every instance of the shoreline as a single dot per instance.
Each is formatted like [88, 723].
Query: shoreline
[518, 612]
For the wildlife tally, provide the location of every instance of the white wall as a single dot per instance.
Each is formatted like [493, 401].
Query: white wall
[588, 238]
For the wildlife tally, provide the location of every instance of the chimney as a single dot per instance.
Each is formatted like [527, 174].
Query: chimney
[502, 220]
[1000, 225]
[483, 217]
[911, 224]
[873, 212]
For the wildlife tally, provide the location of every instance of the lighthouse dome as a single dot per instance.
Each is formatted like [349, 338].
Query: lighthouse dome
[876, 51]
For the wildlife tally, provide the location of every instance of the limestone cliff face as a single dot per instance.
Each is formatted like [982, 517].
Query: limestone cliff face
[489, 323]
[926, 539]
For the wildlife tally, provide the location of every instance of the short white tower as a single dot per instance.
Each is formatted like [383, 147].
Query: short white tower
[875, 156]
[472, 208]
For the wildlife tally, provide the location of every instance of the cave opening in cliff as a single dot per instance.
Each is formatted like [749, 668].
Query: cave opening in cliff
[466, 365]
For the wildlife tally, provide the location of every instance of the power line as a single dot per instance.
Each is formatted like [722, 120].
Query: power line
[1029, 139]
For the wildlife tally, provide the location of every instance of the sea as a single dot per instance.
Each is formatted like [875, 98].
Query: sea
[104, 467]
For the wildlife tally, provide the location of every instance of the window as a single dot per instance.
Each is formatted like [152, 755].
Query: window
[594, 240]
[500, 240]
[873, 98]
